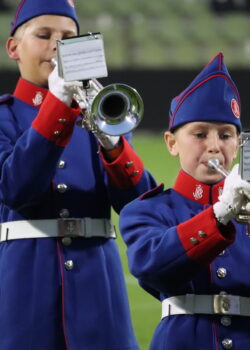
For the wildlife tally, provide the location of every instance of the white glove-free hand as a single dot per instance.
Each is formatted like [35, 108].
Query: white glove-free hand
[234, 193]
[64, 91]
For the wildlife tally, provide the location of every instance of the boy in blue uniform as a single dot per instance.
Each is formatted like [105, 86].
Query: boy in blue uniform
[61, 279]
[184, 245]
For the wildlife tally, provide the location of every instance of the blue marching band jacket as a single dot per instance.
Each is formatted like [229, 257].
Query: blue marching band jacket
[60, 293]
[199, 270]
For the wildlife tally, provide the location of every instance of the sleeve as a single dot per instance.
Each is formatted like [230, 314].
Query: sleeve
[163, 254]
[127, 177]
[24, 178]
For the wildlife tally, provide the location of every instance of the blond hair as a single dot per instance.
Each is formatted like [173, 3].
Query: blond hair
[20, 30]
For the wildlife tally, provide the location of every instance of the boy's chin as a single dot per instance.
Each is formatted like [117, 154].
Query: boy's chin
[211, 178]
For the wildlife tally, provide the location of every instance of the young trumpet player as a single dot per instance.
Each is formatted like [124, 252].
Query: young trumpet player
[184, 245]
[61, 279]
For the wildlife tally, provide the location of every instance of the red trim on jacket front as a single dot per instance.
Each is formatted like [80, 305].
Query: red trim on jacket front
[30, 93]
[127, 169]
[197, 191]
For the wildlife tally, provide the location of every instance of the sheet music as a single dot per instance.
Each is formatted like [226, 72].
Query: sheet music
[82, 58]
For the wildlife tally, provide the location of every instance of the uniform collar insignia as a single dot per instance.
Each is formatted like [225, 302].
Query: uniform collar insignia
[197, 191]
[30, 93]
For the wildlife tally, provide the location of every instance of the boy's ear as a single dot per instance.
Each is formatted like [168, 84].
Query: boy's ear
[11, 48]
[171, 143]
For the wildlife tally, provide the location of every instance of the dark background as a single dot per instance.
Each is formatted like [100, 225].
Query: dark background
[157, 88]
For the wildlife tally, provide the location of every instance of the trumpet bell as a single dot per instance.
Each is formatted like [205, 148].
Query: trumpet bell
[117, 109]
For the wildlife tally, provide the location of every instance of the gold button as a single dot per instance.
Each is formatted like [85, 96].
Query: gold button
[227, 343]
[57, 133]
[62, 188]
[129, 164]
[221, 272]
[69, 265]
[61, 164]
[202, 234]
[194, 240]
[66, 241]
[134, 173]
[226, 321]
[62, 120]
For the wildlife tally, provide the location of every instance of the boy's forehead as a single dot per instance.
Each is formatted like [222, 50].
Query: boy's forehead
[208, 125]
[53, 22]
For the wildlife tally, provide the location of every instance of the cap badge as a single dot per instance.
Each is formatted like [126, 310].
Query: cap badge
[38, 99]
[235, 108]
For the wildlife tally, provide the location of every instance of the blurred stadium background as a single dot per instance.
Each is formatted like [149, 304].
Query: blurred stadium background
[157, 47]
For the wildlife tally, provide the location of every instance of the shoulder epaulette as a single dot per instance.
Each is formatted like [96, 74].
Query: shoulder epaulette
[5, 98]
[156, 190]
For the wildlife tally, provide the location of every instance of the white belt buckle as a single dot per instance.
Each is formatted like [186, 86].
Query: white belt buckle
[110, 229]
[226, 304]
[70, 228]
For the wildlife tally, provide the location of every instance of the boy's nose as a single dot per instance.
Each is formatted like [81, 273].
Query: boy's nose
[213, 143]
[54, 40]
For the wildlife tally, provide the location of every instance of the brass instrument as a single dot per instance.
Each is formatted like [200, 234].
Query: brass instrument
[214, 164]
[116, 110]
[243, 217]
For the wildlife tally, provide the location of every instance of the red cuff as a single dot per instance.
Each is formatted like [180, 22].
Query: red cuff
[127, 169]
[202, 239]
[55, 120]
[114, 153]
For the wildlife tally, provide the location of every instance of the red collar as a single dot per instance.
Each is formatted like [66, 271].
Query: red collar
[197, 191]
[30, 93]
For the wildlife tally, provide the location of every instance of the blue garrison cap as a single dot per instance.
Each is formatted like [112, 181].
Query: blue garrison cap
[28, 9]
[211, 97]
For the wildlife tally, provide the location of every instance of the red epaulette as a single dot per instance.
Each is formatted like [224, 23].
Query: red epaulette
[156, 190]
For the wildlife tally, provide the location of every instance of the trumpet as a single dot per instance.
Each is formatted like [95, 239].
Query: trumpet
[243, 217]
[117, 109]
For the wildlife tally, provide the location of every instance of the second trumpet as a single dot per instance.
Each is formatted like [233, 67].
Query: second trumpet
[243, 217]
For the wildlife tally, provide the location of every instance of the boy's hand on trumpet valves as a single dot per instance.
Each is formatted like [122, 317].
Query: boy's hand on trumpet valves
[234, 194]
[64, 91]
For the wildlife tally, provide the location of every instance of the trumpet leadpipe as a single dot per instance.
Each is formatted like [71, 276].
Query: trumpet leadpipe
[214, 164]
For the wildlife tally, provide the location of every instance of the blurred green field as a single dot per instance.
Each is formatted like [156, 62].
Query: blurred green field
[145, 310]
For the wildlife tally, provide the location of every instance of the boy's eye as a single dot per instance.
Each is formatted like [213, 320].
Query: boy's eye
[43, 36]
[200, 135]
[225, 136]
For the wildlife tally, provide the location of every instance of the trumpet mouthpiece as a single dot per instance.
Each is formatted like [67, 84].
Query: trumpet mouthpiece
[54, 61]
[213, 163]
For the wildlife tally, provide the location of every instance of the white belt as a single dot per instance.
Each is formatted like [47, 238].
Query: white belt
[86, 227]
[222, 304]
